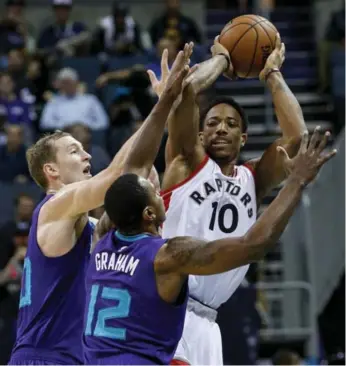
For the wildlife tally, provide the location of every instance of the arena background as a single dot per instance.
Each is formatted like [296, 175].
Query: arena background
[291, 307]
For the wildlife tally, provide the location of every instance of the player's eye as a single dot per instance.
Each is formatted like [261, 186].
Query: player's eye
[212, 122]
[233, 123]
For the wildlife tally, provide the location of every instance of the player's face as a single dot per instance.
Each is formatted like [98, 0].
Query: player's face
[73, 162]
[156, 202]
[222, 135]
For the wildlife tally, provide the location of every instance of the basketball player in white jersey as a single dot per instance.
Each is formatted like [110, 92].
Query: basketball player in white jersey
[208, 196]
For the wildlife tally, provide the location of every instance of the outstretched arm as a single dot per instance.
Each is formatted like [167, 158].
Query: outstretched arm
[188, 255]
[269, 168]
[185, 255]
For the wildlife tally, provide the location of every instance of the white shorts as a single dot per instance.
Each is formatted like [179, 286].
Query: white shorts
[201, 341]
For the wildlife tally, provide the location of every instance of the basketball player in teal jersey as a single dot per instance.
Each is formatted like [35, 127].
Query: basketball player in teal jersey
[50, 323]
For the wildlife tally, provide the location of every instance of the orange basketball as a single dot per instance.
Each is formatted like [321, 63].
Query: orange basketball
[249, 40]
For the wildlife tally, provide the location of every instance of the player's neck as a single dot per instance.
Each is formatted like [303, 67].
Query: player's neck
[53, 188]
[226, 167]
[149, 229]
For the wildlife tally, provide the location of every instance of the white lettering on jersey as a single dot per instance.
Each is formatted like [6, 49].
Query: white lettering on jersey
[105, 261]
[212, 206]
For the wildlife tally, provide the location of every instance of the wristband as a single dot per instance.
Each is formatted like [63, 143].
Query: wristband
[227, 58]
[269, 72]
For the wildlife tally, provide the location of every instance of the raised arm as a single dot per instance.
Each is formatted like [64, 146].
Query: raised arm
[269, 168]
[186, 255]
[183, 123]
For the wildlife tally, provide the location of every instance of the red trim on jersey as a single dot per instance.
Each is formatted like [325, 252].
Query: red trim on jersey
[251, 168]
[167, 193]
[178, 362]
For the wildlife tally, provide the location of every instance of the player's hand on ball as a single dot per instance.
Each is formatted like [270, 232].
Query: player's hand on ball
[275, 59]
[218, 49]
[310, 158]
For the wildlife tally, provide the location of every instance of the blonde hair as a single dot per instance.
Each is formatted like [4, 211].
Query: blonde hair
[41, 153]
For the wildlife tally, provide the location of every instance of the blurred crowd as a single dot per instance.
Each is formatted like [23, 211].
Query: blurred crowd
[38, 94]
[93, 84]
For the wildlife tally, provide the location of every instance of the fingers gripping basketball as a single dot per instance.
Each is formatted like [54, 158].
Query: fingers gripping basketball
[250, 39]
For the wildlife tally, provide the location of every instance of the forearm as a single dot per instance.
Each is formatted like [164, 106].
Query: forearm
[192, 256]
[183, 125]
[287, 108]
[147, 143]
[207, 73]
[102, 227]
[269, 227]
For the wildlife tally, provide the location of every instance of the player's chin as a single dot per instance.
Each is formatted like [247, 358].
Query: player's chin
[219, 152]
[85, 176]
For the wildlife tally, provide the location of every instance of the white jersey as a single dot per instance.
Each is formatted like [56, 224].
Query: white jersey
[209, 205]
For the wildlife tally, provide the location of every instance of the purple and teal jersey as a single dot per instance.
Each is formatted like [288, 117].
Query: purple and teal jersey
[126, 321]
[52, 300]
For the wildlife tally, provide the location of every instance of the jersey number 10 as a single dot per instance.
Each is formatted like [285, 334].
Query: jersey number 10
[220, 214]
[114, 312]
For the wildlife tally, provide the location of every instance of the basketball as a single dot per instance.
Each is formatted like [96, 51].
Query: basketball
[249, 40]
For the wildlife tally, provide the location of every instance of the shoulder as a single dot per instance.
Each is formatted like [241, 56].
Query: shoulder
[251, 165]
[179, 174]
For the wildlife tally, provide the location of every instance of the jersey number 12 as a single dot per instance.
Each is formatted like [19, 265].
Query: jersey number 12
[220, 215]
[113, 312]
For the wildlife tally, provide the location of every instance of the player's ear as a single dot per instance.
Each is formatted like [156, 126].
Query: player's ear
[243, 139]
[51, 170]
[200, 135]
[149, 214]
